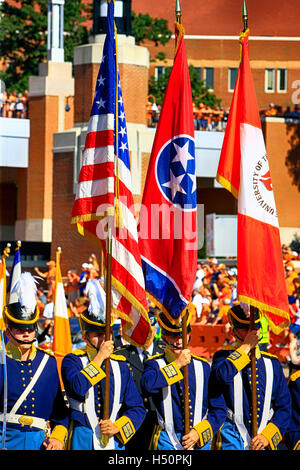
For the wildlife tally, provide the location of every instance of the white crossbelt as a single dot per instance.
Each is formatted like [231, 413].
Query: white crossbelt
[167, 422]
[238, 416]
[88, 407]
[31, 421]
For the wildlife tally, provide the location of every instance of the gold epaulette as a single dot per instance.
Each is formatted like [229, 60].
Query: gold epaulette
[295, 375]
[269, 354]
[155, 356]
[46, 351]
[199, 358]
[79, 352]
[117, 357]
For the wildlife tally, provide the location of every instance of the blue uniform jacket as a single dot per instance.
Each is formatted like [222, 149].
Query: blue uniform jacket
[227, 363]
[293, 433]
[155, 378]
[45, 399]
[78, 380]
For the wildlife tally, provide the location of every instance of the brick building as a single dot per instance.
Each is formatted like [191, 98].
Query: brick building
[37, 196]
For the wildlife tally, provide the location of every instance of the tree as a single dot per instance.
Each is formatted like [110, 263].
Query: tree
[200, 92]
[152, 29]
[23, 38]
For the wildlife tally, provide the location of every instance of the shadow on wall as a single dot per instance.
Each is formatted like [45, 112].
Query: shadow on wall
[292, 160]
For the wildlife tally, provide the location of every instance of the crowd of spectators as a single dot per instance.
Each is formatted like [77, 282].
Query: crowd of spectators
[14, 105]
[275, 110]
[214, 293]
[205, 117]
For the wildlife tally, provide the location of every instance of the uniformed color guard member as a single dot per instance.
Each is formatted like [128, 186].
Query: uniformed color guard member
[231, 374]
[292, 436]
[37, 417]
[84, 379]
[163, 379]
[135, 359]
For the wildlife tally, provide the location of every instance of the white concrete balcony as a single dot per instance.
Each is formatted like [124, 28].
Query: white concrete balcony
[14, 142]
[208, 147]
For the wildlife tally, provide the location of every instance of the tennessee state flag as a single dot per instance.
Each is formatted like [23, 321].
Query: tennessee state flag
[244, 171]
[168, 216]
[62, 342]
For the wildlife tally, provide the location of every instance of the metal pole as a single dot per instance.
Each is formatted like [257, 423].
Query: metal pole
[253, 375]
[105, 438]
[185, 376]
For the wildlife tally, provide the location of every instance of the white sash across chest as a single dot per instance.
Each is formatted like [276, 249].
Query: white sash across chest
[167, 421]
[238, 416]
[89, 406]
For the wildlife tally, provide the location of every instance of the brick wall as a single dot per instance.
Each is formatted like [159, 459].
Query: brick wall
[75, 248]
[43, 114]
[283, 148]
[134, 97]
[223, 54]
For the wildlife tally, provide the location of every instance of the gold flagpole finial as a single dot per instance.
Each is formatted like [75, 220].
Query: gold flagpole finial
[6, 250]
[19, 244]
[178, 11]
[245, 15]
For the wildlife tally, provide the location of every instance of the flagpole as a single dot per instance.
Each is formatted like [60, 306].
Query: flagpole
[252, 309]
[105, 438]
[110, 219]
[184, 319]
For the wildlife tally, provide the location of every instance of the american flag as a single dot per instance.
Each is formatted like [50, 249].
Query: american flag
[104, 184]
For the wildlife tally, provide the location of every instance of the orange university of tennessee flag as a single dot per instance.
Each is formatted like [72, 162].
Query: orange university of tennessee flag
[244, 171]
[62, 342]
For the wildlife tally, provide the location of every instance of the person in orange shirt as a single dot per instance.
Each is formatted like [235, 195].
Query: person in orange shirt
[72, 285]
[272, 111]
[49, 277]
[289, 278]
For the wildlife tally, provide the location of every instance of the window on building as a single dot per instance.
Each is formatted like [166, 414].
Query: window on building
[209, 77]
[159, 71]
[282, 80]
[232, 76]
[270, 80]
[198, 72]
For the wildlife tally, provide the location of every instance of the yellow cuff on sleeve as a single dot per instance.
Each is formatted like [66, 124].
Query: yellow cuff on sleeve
[297, 446]
[60, 433]
[93, 373]
[272, 433]
[204, 431]
[172, 373]
[126, 429]
[239, 359]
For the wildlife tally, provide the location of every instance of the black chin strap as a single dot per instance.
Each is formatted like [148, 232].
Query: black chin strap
[20, 341]
[170, 344]
[91, 344]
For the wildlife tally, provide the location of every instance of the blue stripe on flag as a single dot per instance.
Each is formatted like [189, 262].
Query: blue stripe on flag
[163, 289]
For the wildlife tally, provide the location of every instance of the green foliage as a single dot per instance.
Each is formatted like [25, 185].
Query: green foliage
[23, 38]
[153, 29]
[200, 92]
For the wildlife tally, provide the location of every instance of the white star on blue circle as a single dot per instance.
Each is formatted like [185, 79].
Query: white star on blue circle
[175, 172]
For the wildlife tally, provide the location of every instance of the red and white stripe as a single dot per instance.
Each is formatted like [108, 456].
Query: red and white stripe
[98, 182]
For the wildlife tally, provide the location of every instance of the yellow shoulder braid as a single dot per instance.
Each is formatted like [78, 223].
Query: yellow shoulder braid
[118, 357]
[295, 375]
[155, 355]
[46, 351]
[199, 358]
